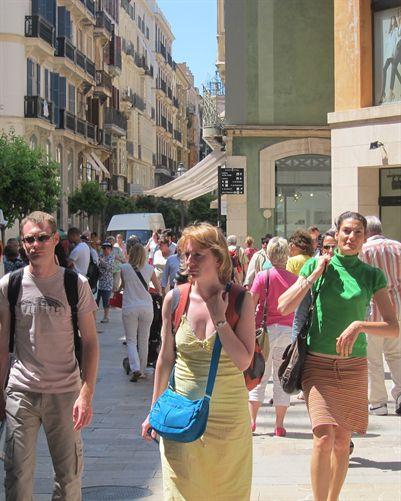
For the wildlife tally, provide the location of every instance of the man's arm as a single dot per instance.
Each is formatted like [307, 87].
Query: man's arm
[82, 411]
[4, 356]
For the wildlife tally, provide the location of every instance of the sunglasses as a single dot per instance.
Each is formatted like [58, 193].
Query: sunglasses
[40, 238]
[328, 247]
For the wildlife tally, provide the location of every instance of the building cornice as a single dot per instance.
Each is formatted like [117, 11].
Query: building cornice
[276, 131]
[384, 113]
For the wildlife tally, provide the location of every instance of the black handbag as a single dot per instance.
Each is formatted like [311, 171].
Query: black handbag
[294, 356]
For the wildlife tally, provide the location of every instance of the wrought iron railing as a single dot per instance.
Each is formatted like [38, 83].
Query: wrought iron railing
[37, 107]
[36, 27]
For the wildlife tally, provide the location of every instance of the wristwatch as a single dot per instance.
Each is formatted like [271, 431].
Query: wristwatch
[220, 323]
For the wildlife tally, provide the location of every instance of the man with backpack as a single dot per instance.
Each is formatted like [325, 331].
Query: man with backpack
[238, 259]
[39, 321]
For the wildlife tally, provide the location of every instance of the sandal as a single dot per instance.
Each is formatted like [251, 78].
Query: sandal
[135, 376]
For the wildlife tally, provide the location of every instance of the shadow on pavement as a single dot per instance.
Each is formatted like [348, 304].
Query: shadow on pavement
[356, 462]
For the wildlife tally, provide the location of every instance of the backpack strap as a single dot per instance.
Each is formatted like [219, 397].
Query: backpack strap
[71, 291]
[179, 303]
[14, 286]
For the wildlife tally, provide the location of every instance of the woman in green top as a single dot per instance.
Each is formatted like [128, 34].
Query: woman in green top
[335, 373]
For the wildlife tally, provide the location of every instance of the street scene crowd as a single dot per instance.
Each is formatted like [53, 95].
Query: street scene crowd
[182, 299]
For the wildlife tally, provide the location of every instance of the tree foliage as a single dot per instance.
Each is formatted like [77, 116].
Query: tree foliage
[199, 209]
[87, 200]
[29, 180]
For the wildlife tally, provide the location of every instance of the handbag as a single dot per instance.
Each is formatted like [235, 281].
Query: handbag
[174, 416]
[294, 356]
[178, 418]
[254, 374]
[117, 300]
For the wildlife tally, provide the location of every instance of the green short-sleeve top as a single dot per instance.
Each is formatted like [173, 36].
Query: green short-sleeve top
[344, 297]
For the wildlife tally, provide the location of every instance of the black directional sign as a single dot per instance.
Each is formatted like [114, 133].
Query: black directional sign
[232, 181]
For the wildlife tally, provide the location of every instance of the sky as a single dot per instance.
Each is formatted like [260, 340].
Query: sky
[194, 26]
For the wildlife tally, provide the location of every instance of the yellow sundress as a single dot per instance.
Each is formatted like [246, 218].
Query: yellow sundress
[218, 466]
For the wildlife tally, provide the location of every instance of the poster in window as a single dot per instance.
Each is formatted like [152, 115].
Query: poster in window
[387, 52]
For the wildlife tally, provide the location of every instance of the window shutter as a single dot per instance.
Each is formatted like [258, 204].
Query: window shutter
[54, 93]
[61, 28]
[63, 93]
[38, 75]
[46, 84]
[29, 74]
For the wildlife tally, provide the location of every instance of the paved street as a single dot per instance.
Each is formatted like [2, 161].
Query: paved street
[115, 456]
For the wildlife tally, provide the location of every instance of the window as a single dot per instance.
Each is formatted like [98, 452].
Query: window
[33, 78]
[80, 166]
[59, 160]
[48, 147]
[70, 171]
[71, 98]
[303, 193]
[33, 142]
[387, 53]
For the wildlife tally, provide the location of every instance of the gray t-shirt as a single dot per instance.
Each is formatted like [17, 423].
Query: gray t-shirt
[44, 340]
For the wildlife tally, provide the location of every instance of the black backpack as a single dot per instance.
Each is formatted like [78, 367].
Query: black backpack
[93, 273]
[71, 290]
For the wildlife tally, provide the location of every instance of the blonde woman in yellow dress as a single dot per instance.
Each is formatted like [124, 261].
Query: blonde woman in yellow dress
[218, 466]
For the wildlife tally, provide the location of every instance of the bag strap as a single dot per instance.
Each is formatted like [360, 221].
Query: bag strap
[179, 304]
[264, 318]
[140, 276]
[235, 299]
[71, 291]
[14, 286]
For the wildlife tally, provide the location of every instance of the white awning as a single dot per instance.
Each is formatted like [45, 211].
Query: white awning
[100, 164]
[92, 163]
[200, 179]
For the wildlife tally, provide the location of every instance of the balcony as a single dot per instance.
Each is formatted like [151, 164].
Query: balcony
[140, 61]
[162, 50]
[176, 103]
[163, 122]
[103, 138]
[103, 27]
[115, 122]
[130, 148]
[67, 121]
[104, 85]
[64, 48]
[170, 93]
[36, 27]
[170, 127]
[113, 56]
[81, 9]
[178, 136]
[149, 71]
[162, 85]
[37, 107]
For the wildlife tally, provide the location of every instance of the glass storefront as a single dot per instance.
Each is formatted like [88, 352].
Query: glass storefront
[303, 193]
[390, 202]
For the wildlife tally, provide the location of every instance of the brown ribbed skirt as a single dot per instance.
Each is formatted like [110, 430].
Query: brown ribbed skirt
[336, 392]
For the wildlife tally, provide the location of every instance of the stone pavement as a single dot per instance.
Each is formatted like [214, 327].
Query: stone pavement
[116, 458]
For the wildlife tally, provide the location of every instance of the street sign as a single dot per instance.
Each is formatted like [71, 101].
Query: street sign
[232, 181]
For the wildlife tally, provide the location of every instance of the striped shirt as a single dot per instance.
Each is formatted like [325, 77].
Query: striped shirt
[385, 254]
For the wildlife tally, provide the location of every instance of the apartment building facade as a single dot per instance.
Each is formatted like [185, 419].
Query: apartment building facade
[366, 122]
[275, 125]
[79, 78]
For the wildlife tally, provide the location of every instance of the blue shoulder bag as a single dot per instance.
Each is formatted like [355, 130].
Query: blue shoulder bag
[178, 418]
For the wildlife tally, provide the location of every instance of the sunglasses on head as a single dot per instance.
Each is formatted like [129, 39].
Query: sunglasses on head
[40, 238]
[328, 246]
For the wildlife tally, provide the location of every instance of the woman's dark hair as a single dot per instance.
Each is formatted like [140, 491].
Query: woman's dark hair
[351, 215]
[329, 233]
[302, 240]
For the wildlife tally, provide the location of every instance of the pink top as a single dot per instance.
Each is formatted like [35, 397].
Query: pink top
[279, 281]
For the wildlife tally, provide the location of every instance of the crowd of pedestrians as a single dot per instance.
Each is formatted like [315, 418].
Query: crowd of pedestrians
[355, 267]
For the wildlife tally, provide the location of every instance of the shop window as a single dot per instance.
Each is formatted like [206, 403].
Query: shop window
[303, 193]
[387, 51]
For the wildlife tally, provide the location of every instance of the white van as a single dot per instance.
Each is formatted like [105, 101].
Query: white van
[141, 224]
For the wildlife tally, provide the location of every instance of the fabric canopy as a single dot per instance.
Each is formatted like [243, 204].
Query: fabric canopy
[100, 165]
[200, 179]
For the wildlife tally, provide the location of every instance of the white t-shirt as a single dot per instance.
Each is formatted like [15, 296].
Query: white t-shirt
[135, 295]
[44, 338]
[159, 262]
[80, 254]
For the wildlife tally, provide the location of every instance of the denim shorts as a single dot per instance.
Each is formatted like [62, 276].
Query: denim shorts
[104, 296]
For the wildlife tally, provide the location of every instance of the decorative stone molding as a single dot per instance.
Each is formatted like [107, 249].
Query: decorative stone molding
[269, 155]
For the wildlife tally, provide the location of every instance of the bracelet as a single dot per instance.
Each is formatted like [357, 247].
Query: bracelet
[309, 281]
[220, 323]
